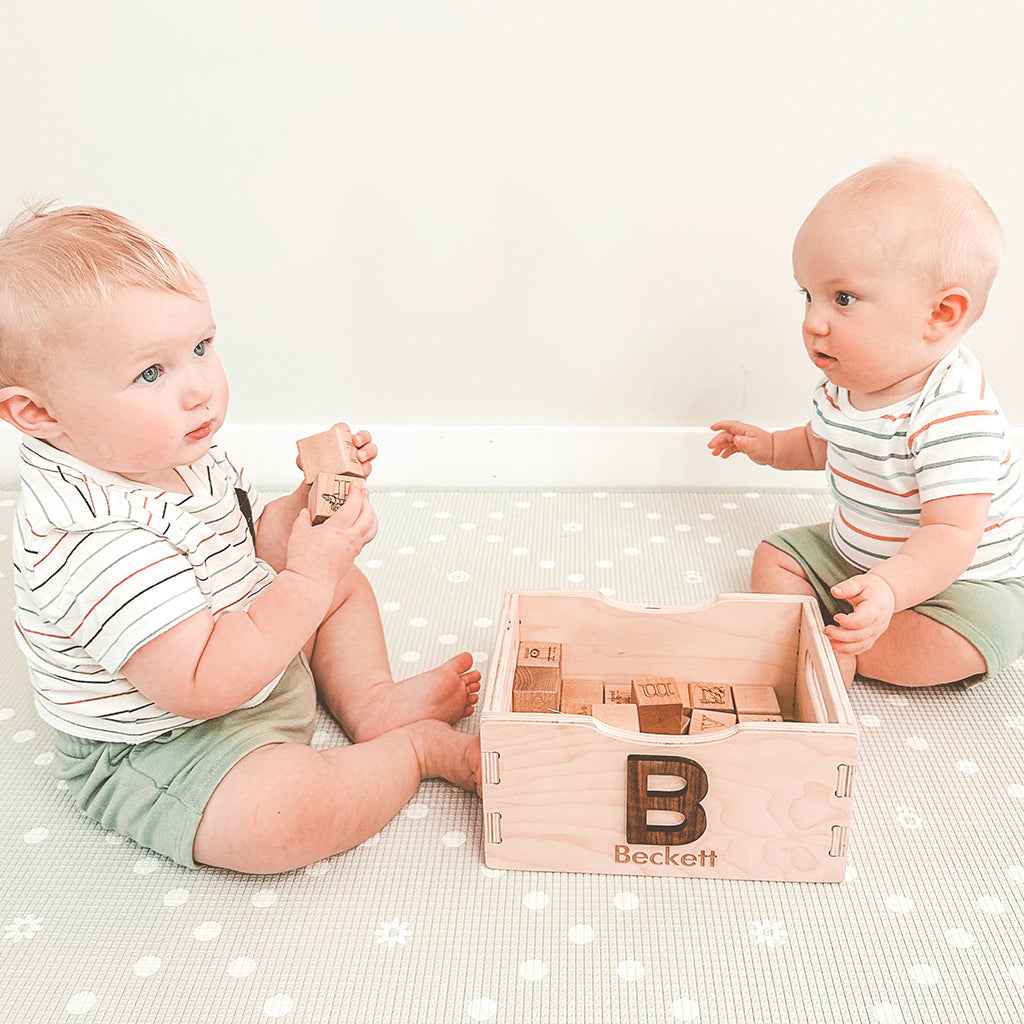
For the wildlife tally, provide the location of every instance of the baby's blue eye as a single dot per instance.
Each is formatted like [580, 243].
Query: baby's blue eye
[844, 299]
[149, 375]
[200, 349]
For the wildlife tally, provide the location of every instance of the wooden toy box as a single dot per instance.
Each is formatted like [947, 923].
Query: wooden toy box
[757, 800]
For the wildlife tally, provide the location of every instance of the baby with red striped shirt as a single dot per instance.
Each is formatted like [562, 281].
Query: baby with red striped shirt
[919, 573]
[178, 629]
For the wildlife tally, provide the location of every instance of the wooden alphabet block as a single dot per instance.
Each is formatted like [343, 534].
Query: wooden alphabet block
[617, 694]
[660, 705]
[537, 684]
[711, 696]
[759, 718]
[333, 451]
[580, 694]
[755, 700]
[707, 721]
[622, 716]
[328, 493]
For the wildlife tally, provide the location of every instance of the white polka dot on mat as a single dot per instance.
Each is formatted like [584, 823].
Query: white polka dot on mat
[627, 900]
[1015, 973]
[36, 835]
[1016, 790]
[454, 839]
[279, 1006]
[684, 1009]
[6, 713]
[493, 538]
[899, 904]
[991, 905]
[924, 974]
[390, 606]
[447, 639]
[482, 623]
[467, 526]
[437, 538]
[264, 898]
[581, 934]
[441, 515]
[415, 811]
[1015, 872]
[24, 735]
[407, 551]
[886, 1013]
[81, 1002]
[683, 527]
[496, 515]
[459, 576]
[482, 1009]
[967, 767]
[45, 759]
[533, 970]
[417, 623]
[208, 931]
[959, 938]
[536, 900]
[917, 743]
[631, 970]
[242, 967]
[146, 967]
[176, 898]
[411, 656]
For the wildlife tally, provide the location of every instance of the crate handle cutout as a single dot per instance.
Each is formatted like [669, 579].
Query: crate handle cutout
[492, 827]
[840, 840]
[844, 780]
[489, 768]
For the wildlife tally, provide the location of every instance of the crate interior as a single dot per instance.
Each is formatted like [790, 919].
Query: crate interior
[734, 639]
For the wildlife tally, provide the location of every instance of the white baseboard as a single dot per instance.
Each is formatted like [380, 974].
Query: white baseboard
[555, 458]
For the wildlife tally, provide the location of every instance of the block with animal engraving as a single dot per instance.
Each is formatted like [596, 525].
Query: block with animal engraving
[661, 706]
[711, 696]
[537, 684]
[580, 694]
[328, 493]
[332, 451]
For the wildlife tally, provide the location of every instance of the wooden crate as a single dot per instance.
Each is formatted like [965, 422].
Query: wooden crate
[758, 800]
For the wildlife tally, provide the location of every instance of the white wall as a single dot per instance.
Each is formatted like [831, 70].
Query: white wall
[480, 215]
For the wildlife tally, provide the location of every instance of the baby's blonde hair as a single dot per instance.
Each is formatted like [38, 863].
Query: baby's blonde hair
[54, 262]
[956, 236]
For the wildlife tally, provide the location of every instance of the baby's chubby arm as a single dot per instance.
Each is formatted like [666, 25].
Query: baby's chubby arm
[796, 448]
[934, 556]
[203, 668]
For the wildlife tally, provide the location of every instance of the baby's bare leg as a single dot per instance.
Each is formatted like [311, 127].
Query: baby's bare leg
[775, 572]
[918, 651]
[286, 805]
[353, 677]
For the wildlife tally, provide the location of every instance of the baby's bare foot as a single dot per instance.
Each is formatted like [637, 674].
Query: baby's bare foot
[447, 693]
[444, 753]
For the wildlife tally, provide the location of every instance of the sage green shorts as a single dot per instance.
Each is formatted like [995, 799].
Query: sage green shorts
[155, 792]
[988, 614]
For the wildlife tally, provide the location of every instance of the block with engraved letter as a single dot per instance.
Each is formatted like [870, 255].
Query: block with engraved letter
[616, 693]
[537, 684]
[333, 451]
[661, 706]
[708, 721]
[328, 493]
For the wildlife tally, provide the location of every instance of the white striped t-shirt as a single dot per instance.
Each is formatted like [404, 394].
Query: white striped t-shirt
[883, 464]
[103, 565]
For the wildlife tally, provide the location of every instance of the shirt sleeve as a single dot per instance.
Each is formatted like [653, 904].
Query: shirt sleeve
[958, 446]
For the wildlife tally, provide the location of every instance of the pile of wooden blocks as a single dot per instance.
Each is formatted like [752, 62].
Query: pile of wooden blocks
[658, 704]
[330, 463]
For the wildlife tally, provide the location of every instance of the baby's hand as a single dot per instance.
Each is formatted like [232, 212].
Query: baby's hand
[873, 603]
[327, 552]
[733, 437]
[365, 448]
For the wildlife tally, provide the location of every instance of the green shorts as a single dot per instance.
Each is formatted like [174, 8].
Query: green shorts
[988, 614]
[155, 792]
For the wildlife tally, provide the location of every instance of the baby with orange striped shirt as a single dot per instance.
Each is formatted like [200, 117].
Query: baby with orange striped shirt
[920, 573]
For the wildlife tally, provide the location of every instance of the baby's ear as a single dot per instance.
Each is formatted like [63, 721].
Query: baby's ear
[20, 408]
[949, 312]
